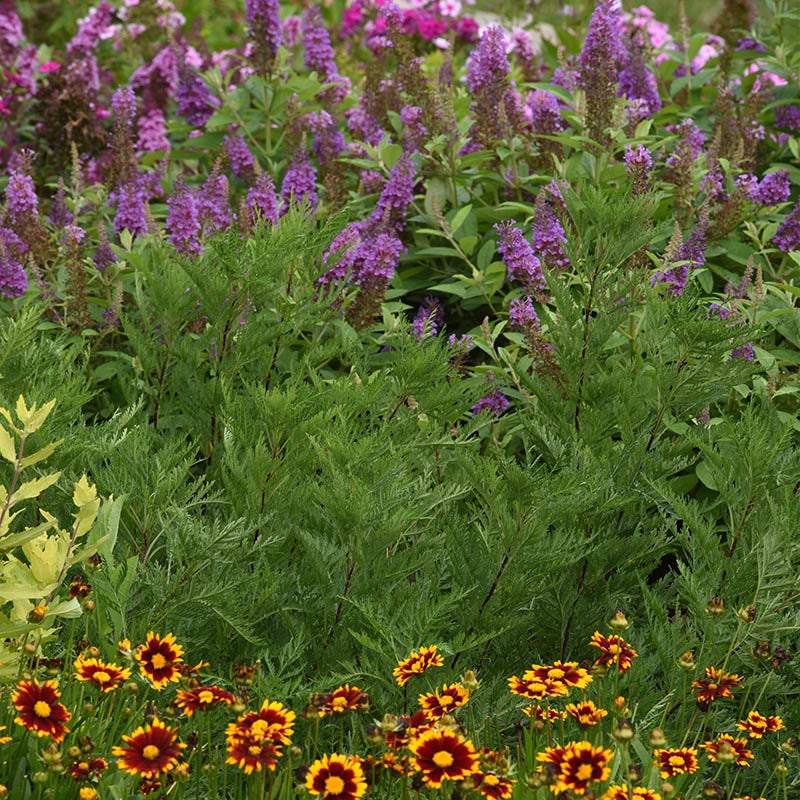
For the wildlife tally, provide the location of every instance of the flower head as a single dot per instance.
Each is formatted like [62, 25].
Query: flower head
[549, 237]
[39, 710]
[256, 739]
[107, 676]
[345, 698]
[614, 651]
[495, 401]
[518, 256]
[620, 792]
[201, 698]
[417, 663]
[715, 685]
[585, 713]
[444, 701]
[149, 750]
[726, 749]
[494, 787]
[299, 183]
[158, 659]
[263, 18]
[577, 765]
[443, 755]
[787, 237]
[681, 761]
[757, 725]
[336, 777]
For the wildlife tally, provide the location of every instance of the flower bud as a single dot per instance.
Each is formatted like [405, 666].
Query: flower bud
[686, 661]
[469, 681]
[89, 606]
[37, 613]
[374, 735]
[389, 723]
[789, 746]
[94, 563]
[74, 752]
[716, 606]
[39, 777]
[747, 614]
[667, 789]
[3, 791]
[181, 772]
[713, 791]
[657, 739]
[762, 651]
[619, 621]
[88, 708]
[634, 774]
[725, 753]
[781, 768]
[620, 706]
[623, 731]
[51, 755]
[295, 752]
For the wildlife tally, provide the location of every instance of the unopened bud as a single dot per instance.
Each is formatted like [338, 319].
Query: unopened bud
[295, 752]
[667, 789]
[789, 746]
[469, 681]
[94, 563]
[51, 755]
[389, 722]
[762, 651]
[619, 621]
[623, 731]
[374, 735]
[725, 753]
[747, 614]
[657, 739]
[93, 652]
[634, 774]
[686, 661]
[39, 777]
[781, 768]
[88, 708]
[620, 706]
[713, 791]
[74, 752]
[89, 606]
[181, 772]
[716, 606]
[37, 613]
[3, 791]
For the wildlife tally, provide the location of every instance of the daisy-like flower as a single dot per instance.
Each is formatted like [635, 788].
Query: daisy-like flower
[532, 688]
[443, 755]
[681, 761]
[757, 725]
[202, 698]
[585, 713]
[87, 770]
[620, 792]
[336, 777]
[716, 684]
[407, 728]
[87, 793]
[418, 662]
[107, 676]
[345, 698]
[549, 715]
[158, 659]
[256, 739]
[614, 651]
[568, 673]
[150, 750]
[727, 750]
[39, 709]
[580, 765]
[495, 787]
[443, 701]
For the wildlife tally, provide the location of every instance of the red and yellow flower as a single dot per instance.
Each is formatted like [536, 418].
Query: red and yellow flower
[577, 765]
[443, 701]
[585, 713]
[614, 651]
[620, 792]
[548, 715]
[336, 777]
[201, 698]
[87, 793]
[406, 728]
[256, 739]
[492, 786]
[725, 749]
[443, 755]
[534, 688]
[87, 770]
[716, 684]
[150, 750]
[756, 725]
[159, 658]
[39, 709]
[106, 676]
[565, 672]
[680, 761]
[417, 663]
[345, 698]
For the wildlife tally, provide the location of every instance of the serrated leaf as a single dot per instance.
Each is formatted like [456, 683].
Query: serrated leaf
[42, 454]
[34, 488]
[33, 418]
[8, 543]
[7, 448]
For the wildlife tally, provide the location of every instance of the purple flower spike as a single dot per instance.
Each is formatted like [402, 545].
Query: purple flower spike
[319, 57]
[548, 236]
[183, 220]
[23, 205]
[518, 256]
[773, 189]
[397, 195]
[195, 101]
[787, 237]
[521, 314]
[299, 186]
[239, 156]
[13, 280]
[131, 208]
[495, 402]
[428, 320]
[261, 200]
[263, 18]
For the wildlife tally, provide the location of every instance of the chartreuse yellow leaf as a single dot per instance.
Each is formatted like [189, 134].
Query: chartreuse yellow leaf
[85, 497]
[32, 418]
[40, 455]
[10, 420]
[7, 447]
[46, 556]
[34, 488]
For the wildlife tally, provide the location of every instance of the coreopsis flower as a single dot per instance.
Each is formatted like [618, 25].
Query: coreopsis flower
[256, 739]
[680, 761]
[441, 755]
[532, 687]
[201, 698]
[150, 750]
[620, 792]
[757, 725]
[87, 770]
[158, 659]
[39, 710]
[336, 777]
[419, 662]
[727, 749]
[716, 684]
[345, 698]
[585, 713]
[401, 730]
[443, 701]
[548, 715]
[494, 787]
[581, 764]
[518, 256]
[87, 793]
[614, 651]
[106, 676]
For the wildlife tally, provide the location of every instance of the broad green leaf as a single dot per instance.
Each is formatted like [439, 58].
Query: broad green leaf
[459, 218]
[7, 448]
[41, 455]
[34, 488]
[706, 477]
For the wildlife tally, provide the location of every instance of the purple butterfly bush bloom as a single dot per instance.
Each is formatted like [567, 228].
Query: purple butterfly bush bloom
[153, 132]
[543, 113]
[638, 160]
[495, 402]
[548, 235]
[183, 220]
[521, 314]
[23, 205]
[637, 82]
[299, 183]
[91, 29]
[319, 57]
[397, 195]
[429, 318]
[328, 140]
[787, 237]
[13, 280]
[361, 123]
[518, 256]
[195, 101]
[745, 351]
[261, 200]
[103, 256]
[788, 118]
[239, 156]
[773, 189]
[123, 103]
[415, 133]
[213, 205]
[693, 252]
[131, 207]
[265, 31]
